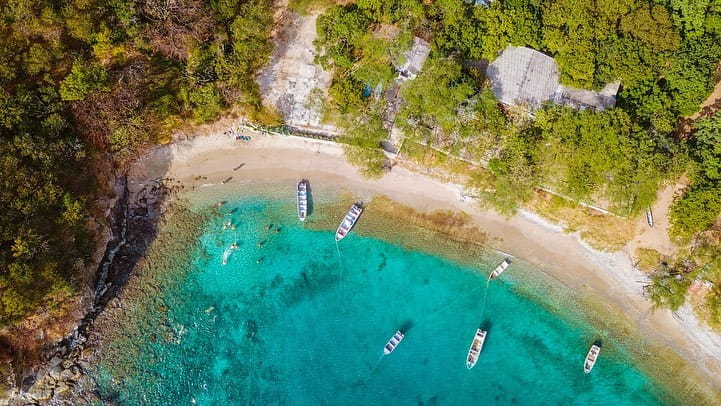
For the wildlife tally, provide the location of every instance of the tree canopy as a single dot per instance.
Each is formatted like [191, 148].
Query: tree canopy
[82, 80]
[700, 206]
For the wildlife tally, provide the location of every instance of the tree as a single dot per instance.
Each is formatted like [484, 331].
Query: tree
[432, 99]
[690, 15]
[699, 207]
[364, 138]
[696, 210]
[204, 102]
[668, 287]
[706, 147]
[177, 25]
[83, 79]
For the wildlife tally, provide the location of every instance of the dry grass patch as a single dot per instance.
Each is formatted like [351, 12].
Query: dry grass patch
[422, 158]
[697, 299]
[647, 259]
[601, 231]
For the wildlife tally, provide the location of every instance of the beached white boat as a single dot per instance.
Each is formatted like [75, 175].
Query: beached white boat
[499, 269]
[393, 342]
[302, 199]
[591, 358]
[349, 221]
[475, 350]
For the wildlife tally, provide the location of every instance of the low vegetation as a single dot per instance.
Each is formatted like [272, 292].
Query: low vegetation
[647, 259]
[601, 231]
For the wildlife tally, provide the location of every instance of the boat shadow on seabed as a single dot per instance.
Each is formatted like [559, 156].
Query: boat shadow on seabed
[309, 196]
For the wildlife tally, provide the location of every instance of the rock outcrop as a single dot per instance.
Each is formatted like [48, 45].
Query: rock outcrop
[61, 377]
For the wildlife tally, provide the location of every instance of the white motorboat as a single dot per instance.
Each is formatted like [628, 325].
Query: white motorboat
[591, 358]
[499, 269]
[302, 199]
[476, 347]
[349, 221]
[393, 342]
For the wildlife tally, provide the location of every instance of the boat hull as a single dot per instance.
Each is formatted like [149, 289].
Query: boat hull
[349, 221]
[392, 344]
[499, 269]
[302, 199]
[591, 358]
[476, 347]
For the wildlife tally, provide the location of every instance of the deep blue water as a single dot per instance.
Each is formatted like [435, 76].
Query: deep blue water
[294, 319]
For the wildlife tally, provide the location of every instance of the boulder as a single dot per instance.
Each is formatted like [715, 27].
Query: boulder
[54, 361]
[28, 381]
[56, 371]
[71, 374]
[40, 392]
[62, 388]
[87, 353]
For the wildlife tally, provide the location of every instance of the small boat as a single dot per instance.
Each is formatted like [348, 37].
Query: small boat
[591, 358]
[302, 199]
[499, 269]
[393, 342]
[226, 255]
[475, 350]
[349, 221]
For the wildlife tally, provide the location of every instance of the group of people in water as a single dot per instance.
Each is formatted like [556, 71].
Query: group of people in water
[234, 246]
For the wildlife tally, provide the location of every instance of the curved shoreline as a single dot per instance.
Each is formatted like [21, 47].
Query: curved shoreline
[524, 282]
[207, 160]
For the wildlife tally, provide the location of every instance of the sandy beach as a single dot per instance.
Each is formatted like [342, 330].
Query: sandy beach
[608, 276]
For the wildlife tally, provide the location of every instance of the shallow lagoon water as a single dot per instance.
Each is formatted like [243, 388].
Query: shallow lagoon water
[293, 318]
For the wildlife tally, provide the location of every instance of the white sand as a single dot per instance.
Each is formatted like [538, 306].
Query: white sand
[566, 257]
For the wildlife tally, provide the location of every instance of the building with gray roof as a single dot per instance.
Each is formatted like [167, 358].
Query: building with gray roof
[415, 58]
[524, 76]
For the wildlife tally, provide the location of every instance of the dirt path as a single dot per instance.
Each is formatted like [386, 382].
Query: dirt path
[711, 104]
[293, 84]
[657, 237]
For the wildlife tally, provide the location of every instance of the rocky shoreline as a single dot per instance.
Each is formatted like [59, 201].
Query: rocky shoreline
[133, 217]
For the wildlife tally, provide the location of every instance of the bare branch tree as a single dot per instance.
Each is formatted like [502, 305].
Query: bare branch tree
[175, 25]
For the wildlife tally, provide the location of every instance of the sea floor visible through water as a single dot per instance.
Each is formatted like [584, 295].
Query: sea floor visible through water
[269, 310]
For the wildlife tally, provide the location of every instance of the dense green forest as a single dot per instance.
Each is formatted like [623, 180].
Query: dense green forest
[664, 53]
[86, 81]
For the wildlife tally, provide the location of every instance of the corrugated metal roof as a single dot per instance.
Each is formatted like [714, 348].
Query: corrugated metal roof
[415, 58]
[582, 99]
[525, 76]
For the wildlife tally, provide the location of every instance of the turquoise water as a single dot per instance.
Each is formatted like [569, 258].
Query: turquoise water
[294, 319]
